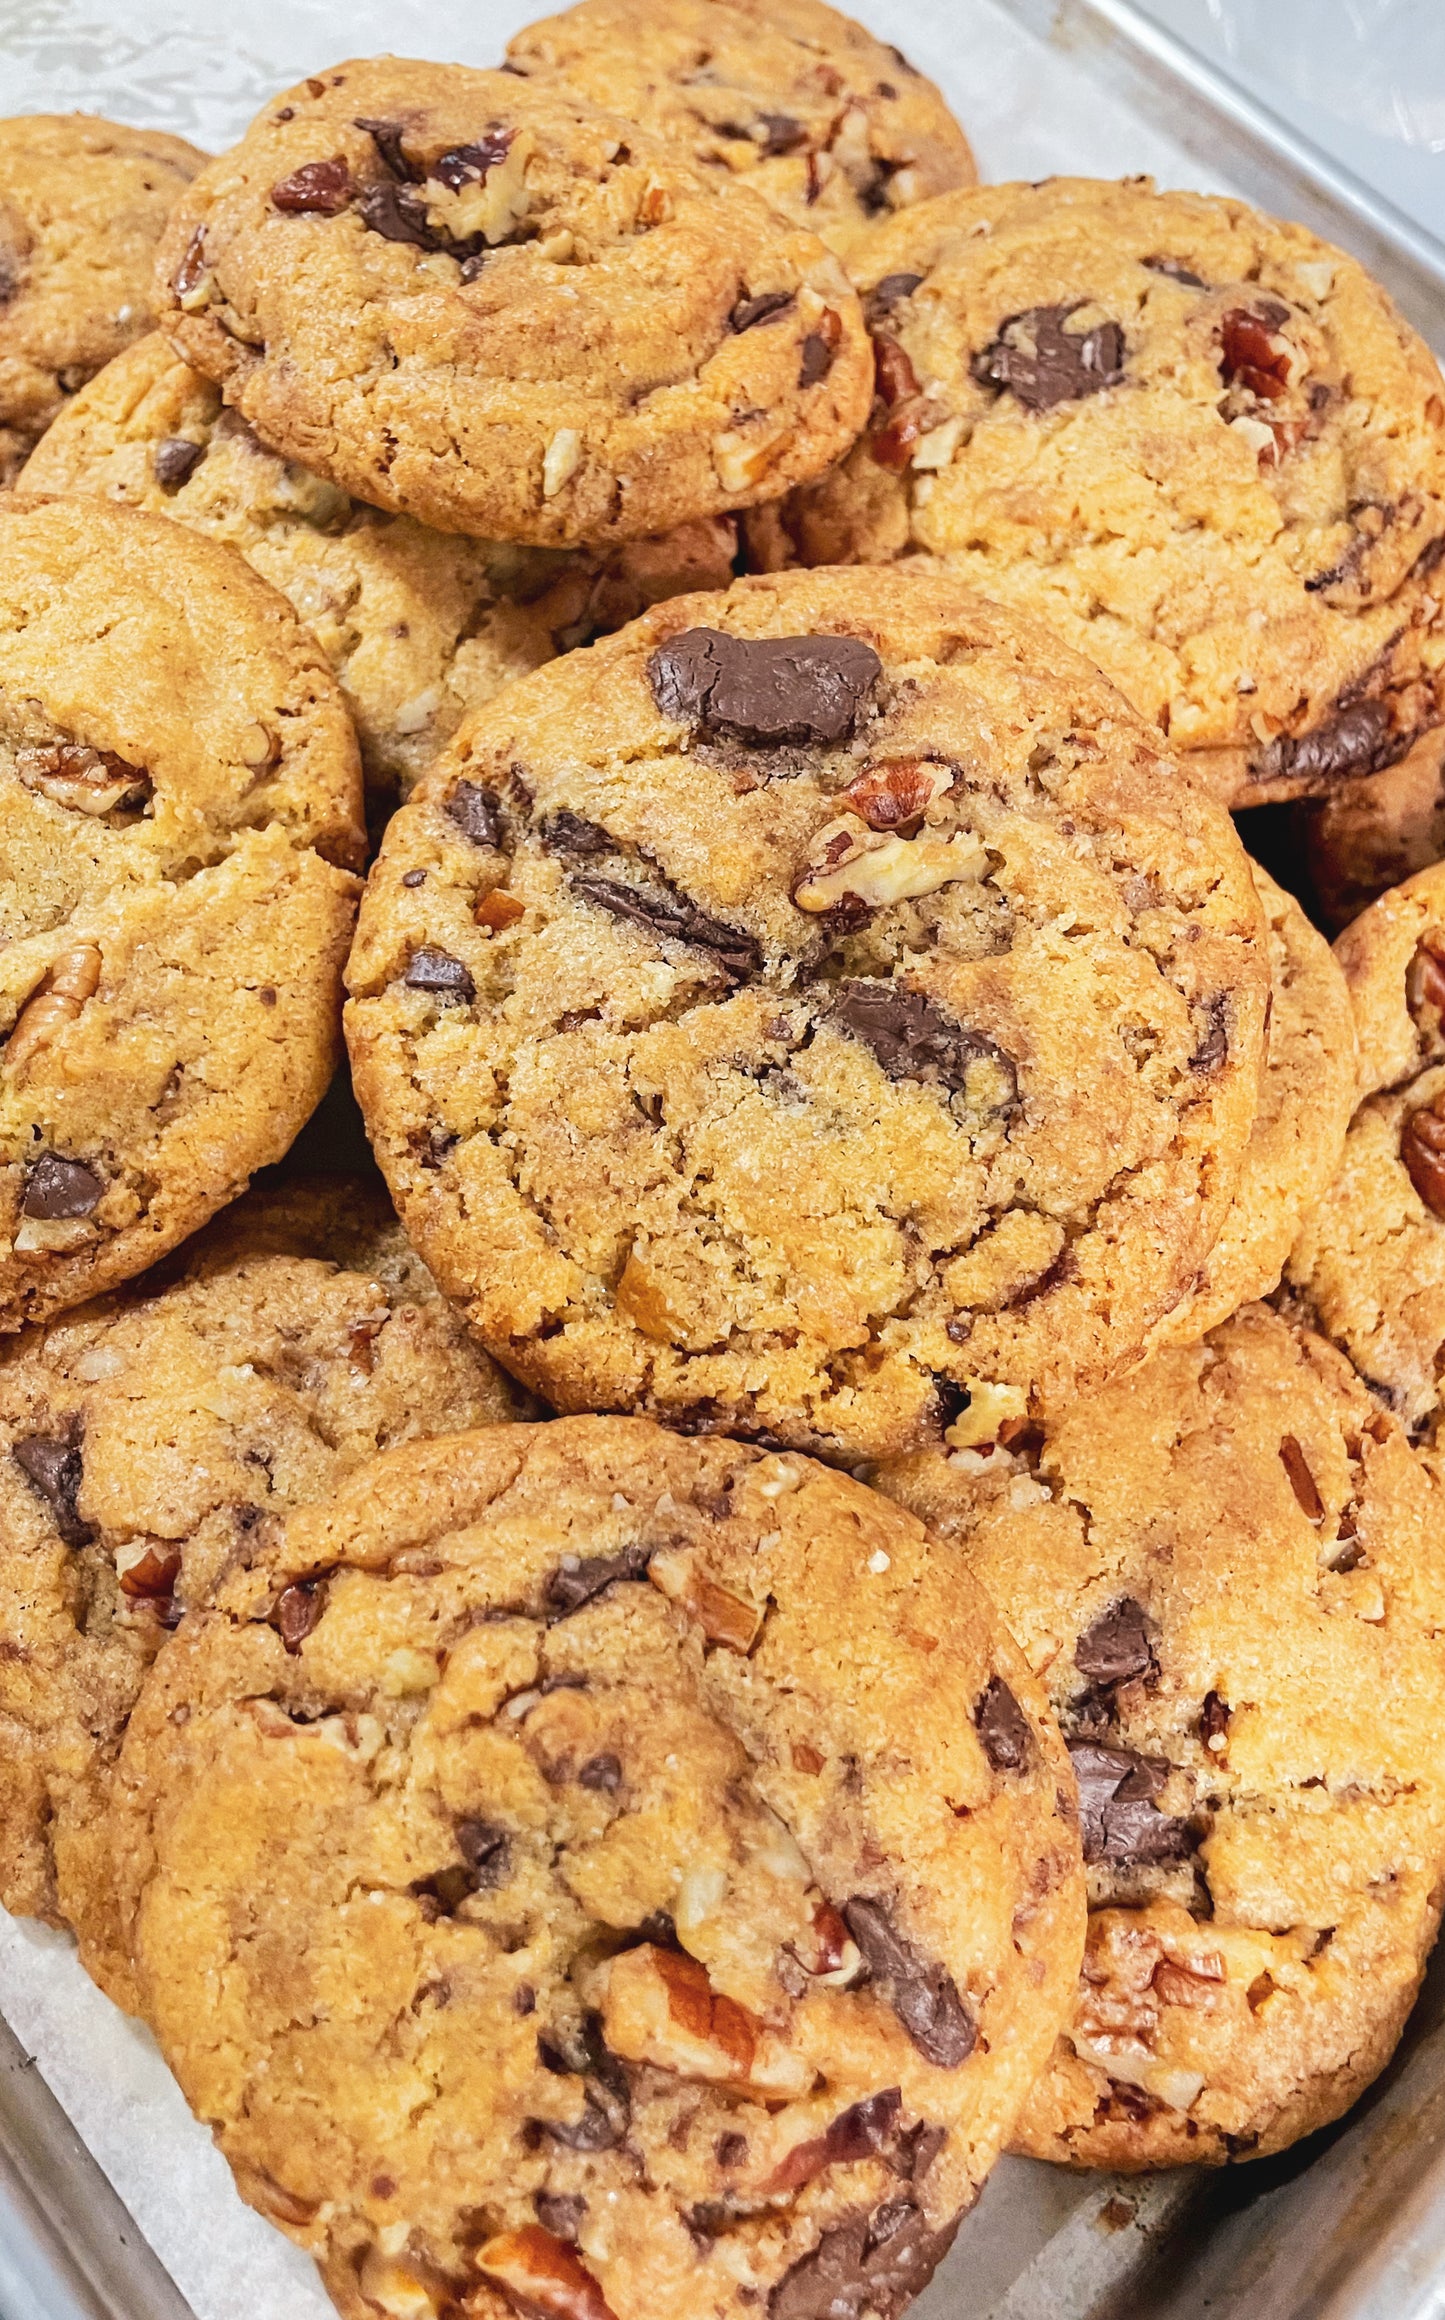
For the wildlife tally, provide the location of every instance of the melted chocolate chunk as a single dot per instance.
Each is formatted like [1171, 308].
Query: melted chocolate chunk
[437, 971]
[561, 2213]
[781, 133]
[912, 1038]
[749, 312]
[817, 360]
[1003, 1727]
[477, 813]
[872, 2266]
[56, 1188]
[1118, 1819]
[1042, 363]
[386, 137]
[1117, 1646]
[486, 1850]
[569, 833]
[1213, 1049]
[298, 1609]
[1213, 1722]
[922, 1993]
[673, 915]
[602, 1772]
[1358, 740]
[918, 2149]
[318, 188]
[52, 1466]
[1176, 272]
[398, 216]
[468, 164]
[891, 291]
[174, 461]
[575, 1582]
[580, 2051]
[770, 691]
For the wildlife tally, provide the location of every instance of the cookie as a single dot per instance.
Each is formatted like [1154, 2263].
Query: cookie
[1199, 443]
[832, 127]
[1306, 1098]
[151, 1439]
[1222, 1570]
[179, 788]
[1375, 833]
[593, 1872]
[418, 625]
[817, 1010]
[478, 301]
[82, 204]
[1369, 1264]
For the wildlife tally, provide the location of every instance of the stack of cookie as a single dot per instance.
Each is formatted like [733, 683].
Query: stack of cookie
[812, 1601]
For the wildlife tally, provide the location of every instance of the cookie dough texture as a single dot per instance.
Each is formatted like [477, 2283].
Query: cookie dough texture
[646, 1884]
[829, 125]
[1306, 1098]
[150, 1440]
[1369, 1265]
[506, 313]
[1199, 443]
[419, 625]
[823, 1012]
[1220, 1571]
[82, 203]
[179, 792]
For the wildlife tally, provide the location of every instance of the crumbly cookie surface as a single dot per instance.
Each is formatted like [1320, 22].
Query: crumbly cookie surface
[419, 625]
[1221, 1569]
[481, 302]
[1306, 1098]
[149, 1440]
[179, 787]
[832, 127]
[1369, 1264]
[625, 1875]
[818, 1011]
[82, 204]
[1199, 443]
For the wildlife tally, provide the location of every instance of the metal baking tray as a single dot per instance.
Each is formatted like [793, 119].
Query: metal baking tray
[1351, 2224]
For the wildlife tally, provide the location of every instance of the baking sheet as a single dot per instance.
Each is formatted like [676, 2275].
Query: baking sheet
[1044, 2244]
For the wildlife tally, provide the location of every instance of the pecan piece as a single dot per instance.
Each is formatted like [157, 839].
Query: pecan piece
[660, 2008]
[86, 781]
[1422, 1149]
[723, 1617]
[543, 2274]
[55, 1002]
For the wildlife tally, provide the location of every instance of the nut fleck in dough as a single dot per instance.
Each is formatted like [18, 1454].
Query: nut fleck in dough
[1370, 1262]
[178, 786]
[825, 1013]
[1201, 444]
[1306, 1098]
[82, 204]
[1229, 1572]
[148, 1442]
[834, 128]
[591, 1872]
[1374, 833]
[419, 625]
[483, 303]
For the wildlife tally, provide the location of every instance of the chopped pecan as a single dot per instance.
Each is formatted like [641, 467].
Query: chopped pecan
[55, 1002]
[543, 2274]
[660, 2008]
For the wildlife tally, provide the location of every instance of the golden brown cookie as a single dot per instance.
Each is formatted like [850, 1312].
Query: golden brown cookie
[834, 128]
[818, 1010]
[483, 303]
[419, 625]
[1229, 1572]
[179, 787]
[595, 1873]
[1201, 444]
[150, 1440]
[82, 204]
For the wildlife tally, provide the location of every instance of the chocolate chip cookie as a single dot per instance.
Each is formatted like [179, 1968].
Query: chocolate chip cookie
[1199, 443]
[591, 1872]
[1223, 1570]
[479, 301]
[82, 203]
[179, 789]
[1373, 834]
[818, 1010]
[833, 127]
[1369, 1264]
[1306, 1098]
[151, 1439]
[418, 625]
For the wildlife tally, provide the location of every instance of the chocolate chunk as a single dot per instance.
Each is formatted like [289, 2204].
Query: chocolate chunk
[57, 1188]
[175, 460]
[468, 164]
[568, 833]
[1248, 355]
[866, 2130]
[914, 1039]
[298, 1610]
[397, 215]
[51, 1464]
[918, 2149]
[1213, 1049]
[386, 137]
[487, 1851]
[670, 913]
[438, 971]
[477, 813]
[561, 2213]
[891, 292]
[9, 277]
[749, 312]
[922, 1993]
[413, 878]
[731, 2150]
[1358, 740]
[1118, 1819]
[576, 1581]
[1301, 1481]
[1213, 1722]
[866, 2269]
[781, 133]
[579, 2051]
[1117, 1646]
[1042, 363]
[1176, 272]
[766, 691]
[1003, 1727]
[322, 188]
[1422, 1149]
[817, 360]
[601, 1772]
